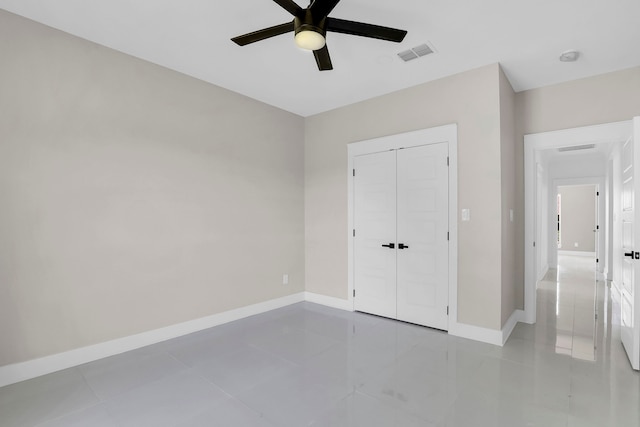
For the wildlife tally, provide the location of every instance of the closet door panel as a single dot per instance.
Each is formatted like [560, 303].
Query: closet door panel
[422, 227]
[375, 225]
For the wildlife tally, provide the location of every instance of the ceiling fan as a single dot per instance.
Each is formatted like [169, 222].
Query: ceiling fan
[311, 25]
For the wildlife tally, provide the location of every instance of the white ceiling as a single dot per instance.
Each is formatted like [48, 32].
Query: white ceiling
[192, 37]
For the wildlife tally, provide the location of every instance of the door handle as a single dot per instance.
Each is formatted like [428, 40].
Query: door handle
[402, 246]
[629, 254]
[390, 246]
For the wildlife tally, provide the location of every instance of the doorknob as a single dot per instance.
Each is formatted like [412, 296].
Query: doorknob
[390, 246]
[402, 246]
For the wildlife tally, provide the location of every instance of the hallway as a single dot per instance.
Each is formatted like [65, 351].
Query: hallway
[566, 305]
[603, 389]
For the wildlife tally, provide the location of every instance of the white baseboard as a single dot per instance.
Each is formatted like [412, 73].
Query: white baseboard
[489, 336]
[339, 303]
[577, 253]
[476, 333]
[507, 329]
[17, 372]
[462, 330]
[543, 272]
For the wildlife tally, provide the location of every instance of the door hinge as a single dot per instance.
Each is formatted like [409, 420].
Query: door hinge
[534, 244]
[354, 293]
[597, 260]
[447, 160]
[597, 227]
[447, 235]
[597, 193]
[354, 172]
[354, 232]
[447, 310]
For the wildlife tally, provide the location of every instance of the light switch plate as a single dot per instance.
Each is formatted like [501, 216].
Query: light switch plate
[466, 215]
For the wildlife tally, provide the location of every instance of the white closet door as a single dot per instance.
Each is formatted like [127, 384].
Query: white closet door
[375, 219]
[423, 209]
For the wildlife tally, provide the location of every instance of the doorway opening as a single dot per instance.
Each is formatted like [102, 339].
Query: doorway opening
[577, 220]
[550, 162]
[620, 218]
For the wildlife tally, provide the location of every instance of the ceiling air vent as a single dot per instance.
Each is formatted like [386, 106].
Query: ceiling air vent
[416, 52]
[577, 147]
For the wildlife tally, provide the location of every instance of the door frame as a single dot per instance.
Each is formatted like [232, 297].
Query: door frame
[599, 183]
[441, 134]
[533, 143]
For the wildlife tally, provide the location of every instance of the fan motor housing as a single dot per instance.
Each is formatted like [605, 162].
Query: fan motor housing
[307, 23]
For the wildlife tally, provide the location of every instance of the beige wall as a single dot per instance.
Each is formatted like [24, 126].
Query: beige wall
[510, 281]
[578, 219]
[134, 197]
[128, 188]
[605, 98]
[469, 99]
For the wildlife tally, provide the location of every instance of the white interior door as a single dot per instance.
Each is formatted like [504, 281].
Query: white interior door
[422, 239]
[401, 247]
[374, 243]
[629, 304]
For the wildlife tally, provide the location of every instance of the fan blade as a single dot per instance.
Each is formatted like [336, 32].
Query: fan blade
[365, 30]
[323, 59]
[321, 8]
[265, 33]
[290, 6]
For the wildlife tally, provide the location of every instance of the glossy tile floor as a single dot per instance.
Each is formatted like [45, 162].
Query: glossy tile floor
[310, 365]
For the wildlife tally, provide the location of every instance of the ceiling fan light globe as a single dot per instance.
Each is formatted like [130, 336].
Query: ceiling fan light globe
[309, 40]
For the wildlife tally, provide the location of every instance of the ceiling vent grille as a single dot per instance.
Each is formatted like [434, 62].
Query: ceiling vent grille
[577, 147]
[416, 52]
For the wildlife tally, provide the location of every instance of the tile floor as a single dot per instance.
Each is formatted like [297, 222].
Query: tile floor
[311, 365]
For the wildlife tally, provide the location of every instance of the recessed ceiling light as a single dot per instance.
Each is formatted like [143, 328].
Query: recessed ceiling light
[569, 56]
